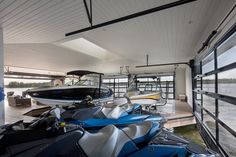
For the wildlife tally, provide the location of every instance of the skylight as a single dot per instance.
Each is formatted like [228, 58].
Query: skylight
[84, 46]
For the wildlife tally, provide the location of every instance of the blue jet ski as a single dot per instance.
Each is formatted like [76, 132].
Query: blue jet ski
[136, 140]
[95, 117]
[46, 137]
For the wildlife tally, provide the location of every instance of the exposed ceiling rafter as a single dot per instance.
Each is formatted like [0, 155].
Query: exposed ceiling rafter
[138, 14]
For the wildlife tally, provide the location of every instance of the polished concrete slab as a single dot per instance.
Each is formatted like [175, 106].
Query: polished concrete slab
[174, 111]
[13, 114]
[177, 113]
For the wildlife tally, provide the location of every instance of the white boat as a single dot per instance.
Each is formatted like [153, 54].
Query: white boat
[73, 92]
[151, 95]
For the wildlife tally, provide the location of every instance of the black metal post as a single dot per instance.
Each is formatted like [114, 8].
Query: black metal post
[114, 87]
[216, 100]
[174, 86]
[201, 93]
[87, 11]
[100, 84]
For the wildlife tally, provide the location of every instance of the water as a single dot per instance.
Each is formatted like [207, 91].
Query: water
[191, 133]
[18, 91]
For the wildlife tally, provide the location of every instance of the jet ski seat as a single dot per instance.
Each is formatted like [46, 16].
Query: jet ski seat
[80, 114]
[111, 141]
[114, 113]
[119, 110]
[143, 132]
[108, 142]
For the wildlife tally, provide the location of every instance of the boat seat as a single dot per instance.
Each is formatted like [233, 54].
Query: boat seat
[108, 142]
[142, 132]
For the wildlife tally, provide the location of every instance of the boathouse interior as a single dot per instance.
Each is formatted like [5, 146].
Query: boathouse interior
[188, 45]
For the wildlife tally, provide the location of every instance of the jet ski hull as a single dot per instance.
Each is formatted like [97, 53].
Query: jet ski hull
[95, 123]
[144, 139]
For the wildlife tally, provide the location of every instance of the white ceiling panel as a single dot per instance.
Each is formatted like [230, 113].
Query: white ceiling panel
[32, 27]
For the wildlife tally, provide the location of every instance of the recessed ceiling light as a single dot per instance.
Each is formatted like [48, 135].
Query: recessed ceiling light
[84, 46]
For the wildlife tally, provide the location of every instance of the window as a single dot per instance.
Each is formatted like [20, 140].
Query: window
[118, 85]
[210, 123]
[227, 141]
[208, 63]
[145, 83]
[216, 94]
[208, 83]
[227, 83]
[167, 85]
[209, 103]
[227, 52]
[226, 110]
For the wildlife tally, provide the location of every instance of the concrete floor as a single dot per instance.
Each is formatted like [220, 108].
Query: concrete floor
[172, 111]
[177, 113]
[13, 114]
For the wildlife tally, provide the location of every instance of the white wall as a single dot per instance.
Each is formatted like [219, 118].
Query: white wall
[188, 85]
[2, 116]
[180, 82]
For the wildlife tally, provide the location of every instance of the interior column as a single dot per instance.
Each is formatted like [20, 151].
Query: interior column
[2, 115]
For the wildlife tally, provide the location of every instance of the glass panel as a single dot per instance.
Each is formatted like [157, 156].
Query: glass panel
[210, 123]
[227, 114]
[227, 52]
[199, 83]
[142, 79]
[209, 103]
[123, 80]
[170, 96]
[208, 83]
[167, 78]
[208, 63]
[227, 82]
[198, 109]
[170, 84]
[105, 80]
[171, 90]
[227, 141]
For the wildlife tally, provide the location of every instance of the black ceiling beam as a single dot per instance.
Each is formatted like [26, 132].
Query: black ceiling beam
[138, 14]
[155, 65]
[87, 11]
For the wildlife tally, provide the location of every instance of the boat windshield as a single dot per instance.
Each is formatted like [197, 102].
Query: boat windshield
[148, 84]
[86, 80]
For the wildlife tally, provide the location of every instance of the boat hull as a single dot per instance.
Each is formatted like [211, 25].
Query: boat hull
[146, 99]
[69, 95]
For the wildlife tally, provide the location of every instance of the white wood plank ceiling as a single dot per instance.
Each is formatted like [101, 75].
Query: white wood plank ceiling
[31, 27]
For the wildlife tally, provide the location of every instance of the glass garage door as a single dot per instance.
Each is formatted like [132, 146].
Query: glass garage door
[215, 94]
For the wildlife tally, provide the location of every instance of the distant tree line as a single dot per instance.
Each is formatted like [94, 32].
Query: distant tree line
[15, 84]
[208, 81]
